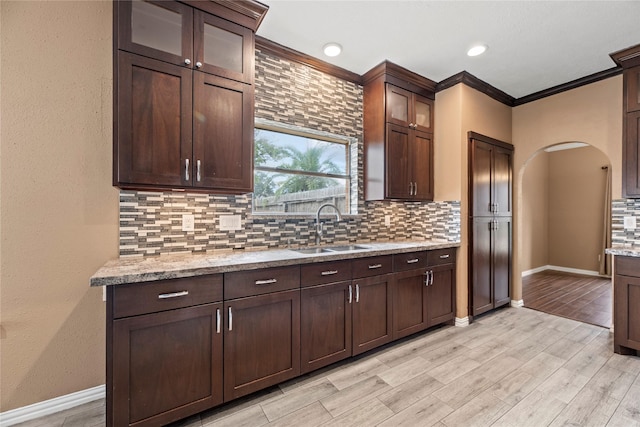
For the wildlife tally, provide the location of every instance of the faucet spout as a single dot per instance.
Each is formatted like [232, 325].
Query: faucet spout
[319, 224]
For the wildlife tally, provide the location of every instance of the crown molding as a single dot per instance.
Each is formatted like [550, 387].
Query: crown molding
[248, 13]
[402, 77]
[626, 58]
[475, 83]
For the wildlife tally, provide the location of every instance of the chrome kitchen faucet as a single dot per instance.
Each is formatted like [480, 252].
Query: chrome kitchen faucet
[319, 224]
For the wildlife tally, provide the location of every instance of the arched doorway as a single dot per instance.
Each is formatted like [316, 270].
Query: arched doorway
[565, 190]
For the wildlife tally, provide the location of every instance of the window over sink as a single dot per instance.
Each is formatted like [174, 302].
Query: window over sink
[296, 169]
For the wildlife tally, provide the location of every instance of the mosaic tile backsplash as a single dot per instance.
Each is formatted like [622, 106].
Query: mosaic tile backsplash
[291, 93]
[619, 209]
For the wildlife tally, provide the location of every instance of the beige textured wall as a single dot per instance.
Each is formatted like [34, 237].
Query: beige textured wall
[59, 218]
[591, 114]
[576, 207]
[535, 223]
[460, 109]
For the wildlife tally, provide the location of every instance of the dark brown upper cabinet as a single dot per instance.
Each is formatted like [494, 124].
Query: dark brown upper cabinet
[629, 60]
[398, 134]
[179, 34]
[491, 178]
[184, 95]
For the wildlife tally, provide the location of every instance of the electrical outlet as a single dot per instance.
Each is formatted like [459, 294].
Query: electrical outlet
[188, 222]
[629, 222]
[230, 222]
[387, 220]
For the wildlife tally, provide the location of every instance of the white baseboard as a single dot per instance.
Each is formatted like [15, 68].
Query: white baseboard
[517, 303]
[51, 406]
[462, 321]
[562, 269]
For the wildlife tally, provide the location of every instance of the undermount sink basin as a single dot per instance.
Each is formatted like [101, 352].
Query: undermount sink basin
[326, 249]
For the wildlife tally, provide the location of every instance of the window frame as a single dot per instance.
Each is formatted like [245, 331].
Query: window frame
[348, 142]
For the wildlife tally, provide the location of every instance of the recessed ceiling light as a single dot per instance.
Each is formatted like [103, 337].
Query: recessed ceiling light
[332, 49]
[477, 50]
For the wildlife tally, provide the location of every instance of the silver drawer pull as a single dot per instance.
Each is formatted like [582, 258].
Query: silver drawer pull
[266, 282]
[444, 256]
[217, 321]
[412, 261]
[173, 295]
[329, 273]
[374, 266]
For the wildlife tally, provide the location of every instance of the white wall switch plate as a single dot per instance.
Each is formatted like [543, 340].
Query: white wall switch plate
[188, 222]
[230, 222]
[387, 220]
[629, 222]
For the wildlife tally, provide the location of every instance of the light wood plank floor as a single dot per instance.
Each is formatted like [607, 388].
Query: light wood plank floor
[513, 367]
[583, 298]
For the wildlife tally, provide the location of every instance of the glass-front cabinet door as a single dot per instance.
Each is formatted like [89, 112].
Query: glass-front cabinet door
[223, 48]
[157, 29]
[423, 113]
[398, 104]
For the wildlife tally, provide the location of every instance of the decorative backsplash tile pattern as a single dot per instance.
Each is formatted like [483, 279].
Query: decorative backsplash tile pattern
[619, 209]
[287, 92]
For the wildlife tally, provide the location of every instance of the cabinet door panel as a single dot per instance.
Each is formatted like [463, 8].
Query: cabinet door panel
[502, 181]
[422, 171]
[409, 297]
[502, 239]
[167, 365]
[481, 265]
[481, 179]
[223, 48]
[627, 315]
[325, 325]
[632, 92]
[397, 173]
[261, 342]
[423, 113]
[223, 133]
[154, 122]
[631, 153]
[441, 303]
[158, 29]
[398, 106]
[372, 322]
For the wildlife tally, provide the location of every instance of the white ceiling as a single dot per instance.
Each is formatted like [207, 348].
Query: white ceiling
[533, 45]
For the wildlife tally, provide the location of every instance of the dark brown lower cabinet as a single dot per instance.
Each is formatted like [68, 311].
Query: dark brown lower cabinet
[490, 269]
[325, 324]
[168, 365]
[372, 321]
[261, 342]
[441, 294]
[626, 300]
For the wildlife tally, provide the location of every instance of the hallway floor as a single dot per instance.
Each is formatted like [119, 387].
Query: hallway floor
[512, 367]
[584, 298]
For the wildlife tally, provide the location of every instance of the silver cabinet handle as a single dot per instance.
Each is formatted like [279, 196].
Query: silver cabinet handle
[431, 274]
[350, 294]
[186, 169]
[173, 295]
[426, 278]
[217, 320]
[198, 64]
[374, 266]
[444, 256]
[329, 273]
[411, 188]
[412, 261]
[357, 293]
[187, 61]
[415, 188]
[230, 320]
[266, 282]
[198, 170]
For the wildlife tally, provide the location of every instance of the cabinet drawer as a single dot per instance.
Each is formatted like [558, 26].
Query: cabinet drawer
[409, 261]
[142, 298]
[627, 266]
[372, 266]
[241, 284]
[325, 272]
[441, 256]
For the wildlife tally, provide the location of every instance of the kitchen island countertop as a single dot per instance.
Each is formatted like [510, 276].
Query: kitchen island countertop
[145, 269]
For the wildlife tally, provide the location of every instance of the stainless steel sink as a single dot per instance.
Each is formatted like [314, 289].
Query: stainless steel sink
[328, 249]
[346, 248]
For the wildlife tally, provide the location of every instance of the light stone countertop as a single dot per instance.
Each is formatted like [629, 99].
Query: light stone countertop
[139, 269]
[623, 250]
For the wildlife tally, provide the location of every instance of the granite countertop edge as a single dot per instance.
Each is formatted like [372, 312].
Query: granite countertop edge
[623, 250]
[146, 269]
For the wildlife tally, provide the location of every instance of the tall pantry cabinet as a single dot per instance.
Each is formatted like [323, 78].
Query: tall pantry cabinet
[490, 223]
